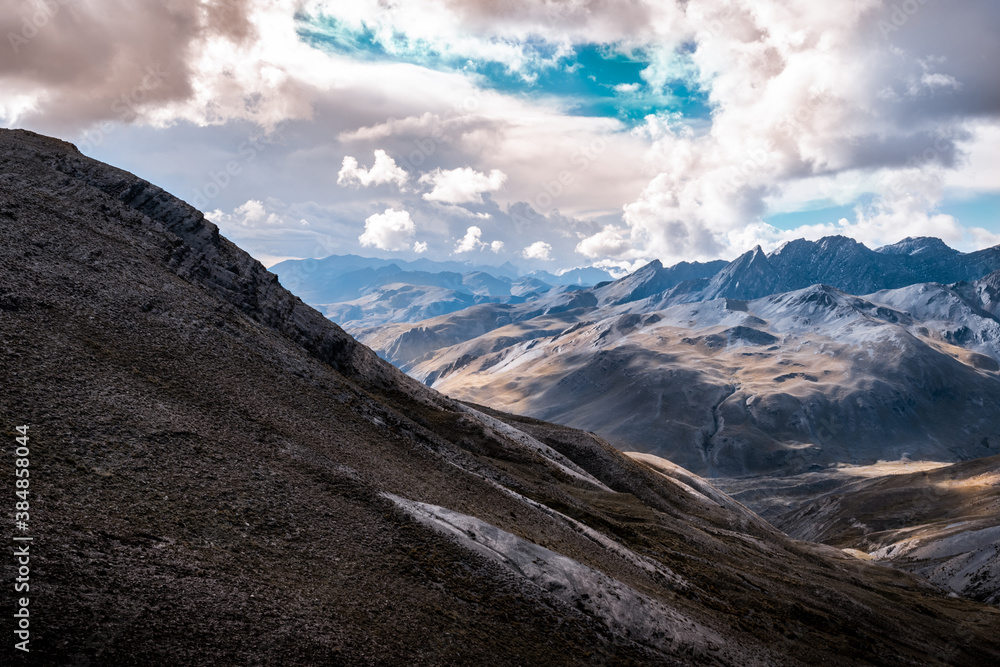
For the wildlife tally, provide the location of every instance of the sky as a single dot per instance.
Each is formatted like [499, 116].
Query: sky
[550, 134]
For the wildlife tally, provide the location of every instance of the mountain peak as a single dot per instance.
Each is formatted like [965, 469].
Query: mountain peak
[917, 245]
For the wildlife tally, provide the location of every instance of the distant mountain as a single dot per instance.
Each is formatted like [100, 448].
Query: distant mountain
[839, 262]
[335, 265]
[654, 279]
[359, 292]
[221, 475]
[584, 277]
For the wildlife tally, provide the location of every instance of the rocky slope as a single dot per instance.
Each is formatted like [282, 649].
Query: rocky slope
[221, 475]
[942, 523]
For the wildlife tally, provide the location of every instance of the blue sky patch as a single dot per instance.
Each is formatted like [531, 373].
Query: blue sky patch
[980, 211]
[591, 80]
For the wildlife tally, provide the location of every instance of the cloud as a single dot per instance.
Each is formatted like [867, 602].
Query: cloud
[391, 230]
[471, 241]
[809, 105]
[804, 93]
[383, 171]
[461, 186]
[985, 238]
[420, 247]
[497, 247]
[610, 242]
[539, 250]
[524, 36]
[250, 215]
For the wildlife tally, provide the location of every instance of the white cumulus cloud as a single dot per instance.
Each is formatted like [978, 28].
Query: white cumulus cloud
[391, 230]
[609, 242]
[539, 250]
[471, 241]
[385, 170]
[461, 186]
[250, 215]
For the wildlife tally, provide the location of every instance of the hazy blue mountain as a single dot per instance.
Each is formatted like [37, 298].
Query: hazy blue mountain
[586, 276]
[359, 292]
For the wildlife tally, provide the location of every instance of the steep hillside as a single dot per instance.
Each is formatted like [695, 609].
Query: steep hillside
[219, 475]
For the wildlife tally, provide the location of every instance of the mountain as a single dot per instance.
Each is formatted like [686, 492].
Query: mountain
[653, 279]
[219, 474]
[839, 262]
[363, 294]
[585, 277]
[796, 381]
[360, 292]
[749, 276]
[318, 271]
[834, 261]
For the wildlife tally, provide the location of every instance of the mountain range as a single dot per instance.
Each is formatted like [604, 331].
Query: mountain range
[789, 382]
[729, 375]
[360, 292]
[363, 291]
[219, 474]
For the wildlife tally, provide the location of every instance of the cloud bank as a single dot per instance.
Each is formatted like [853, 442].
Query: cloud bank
[879, 115]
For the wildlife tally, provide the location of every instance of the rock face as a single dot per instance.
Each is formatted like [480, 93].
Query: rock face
[221, 475]
[654, 279]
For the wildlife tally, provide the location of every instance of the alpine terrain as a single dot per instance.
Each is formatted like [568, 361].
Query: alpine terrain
[772, 366]
[219, 474]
